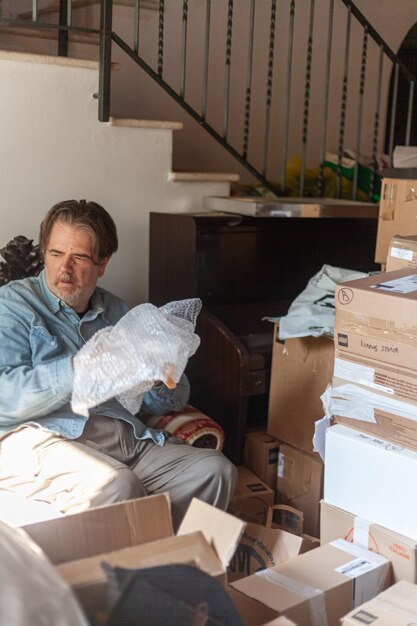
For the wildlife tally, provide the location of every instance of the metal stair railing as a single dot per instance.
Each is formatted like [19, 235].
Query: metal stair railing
[260, 169]
[63, 26]
[271, 109]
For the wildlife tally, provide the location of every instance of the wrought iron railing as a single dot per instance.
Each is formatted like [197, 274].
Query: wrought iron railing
[279, 85]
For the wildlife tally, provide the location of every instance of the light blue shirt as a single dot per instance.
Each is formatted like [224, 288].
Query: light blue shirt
[39, 335]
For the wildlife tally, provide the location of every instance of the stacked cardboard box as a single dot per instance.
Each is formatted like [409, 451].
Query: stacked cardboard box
[301, 370]
[397, 213]
[252, 497]
[371, 452]
[375, 374]
[402, 253]
[261, 456]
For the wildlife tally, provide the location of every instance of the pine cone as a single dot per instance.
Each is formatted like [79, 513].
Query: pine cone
[22, 259]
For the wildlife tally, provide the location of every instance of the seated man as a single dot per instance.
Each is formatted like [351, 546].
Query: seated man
[51, 454]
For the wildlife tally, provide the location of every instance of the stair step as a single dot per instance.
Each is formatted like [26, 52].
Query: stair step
[213, 177]
[48, 59]
[51, 34]
[133, 123]
[80, 4]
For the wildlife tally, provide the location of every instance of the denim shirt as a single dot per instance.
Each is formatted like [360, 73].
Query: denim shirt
[39, 335]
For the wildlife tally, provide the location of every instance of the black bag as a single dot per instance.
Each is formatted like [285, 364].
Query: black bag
[169, 595]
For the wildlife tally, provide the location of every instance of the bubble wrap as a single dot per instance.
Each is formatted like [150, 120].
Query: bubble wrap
[123, 361]
[31, 591]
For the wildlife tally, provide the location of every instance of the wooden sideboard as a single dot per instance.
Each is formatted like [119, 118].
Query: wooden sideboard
[244, 269]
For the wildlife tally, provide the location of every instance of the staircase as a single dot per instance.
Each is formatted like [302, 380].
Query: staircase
[294, 92]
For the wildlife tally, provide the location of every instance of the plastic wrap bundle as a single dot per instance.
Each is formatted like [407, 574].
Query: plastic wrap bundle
[312, 313]
[31, 591]
[123, 361]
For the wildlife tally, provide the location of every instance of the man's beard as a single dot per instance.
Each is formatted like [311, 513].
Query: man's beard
[73, 298]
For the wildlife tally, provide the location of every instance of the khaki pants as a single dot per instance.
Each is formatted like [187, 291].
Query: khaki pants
[108, 464]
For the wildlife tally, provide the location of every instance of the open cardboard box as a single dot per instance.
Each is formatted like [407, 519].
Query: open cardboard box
[135, 534]
[263, 546]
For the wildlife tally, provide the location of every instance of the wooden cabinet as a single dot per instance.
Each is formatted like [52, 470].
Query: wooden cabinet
[244, 269]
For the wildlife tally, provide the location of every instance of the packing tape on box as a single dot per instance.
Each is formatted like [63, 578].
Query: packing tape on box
[361, 532]
[357, 403]
[364, 562]
[359, 552]
[315, 596]
[353, 372]
[358, 324]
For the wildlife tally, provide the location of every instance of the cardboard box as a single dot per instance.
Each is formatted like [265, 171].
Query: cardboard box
[317, 587]
[261, 456]
[376, 398]
[136, 533]
[336, 523]
[253, 612]
[300, 485]
[402, 253]
[385, 380]
[89, 582]
[252, 497]
[397, 213]
[301, 369]
[376, 317]
[396, 605]
[103, 529]
[391, 427]
[261, 547]
[372, 478]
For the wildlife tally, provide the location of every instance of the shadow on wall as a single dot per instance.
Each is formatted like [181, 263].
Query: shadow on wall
[408, 55]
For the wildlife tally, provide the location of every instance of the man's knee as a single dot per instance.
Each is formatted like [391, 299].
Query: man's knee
[119, 485]
[225, 469]
[220, 477]
[218, 465]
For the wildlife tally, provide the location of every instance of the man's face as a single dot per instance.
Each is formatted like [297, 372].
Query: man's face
[70, 271]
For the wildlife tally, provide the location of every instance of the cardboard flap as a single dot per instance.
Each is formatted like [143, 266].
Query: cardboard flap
[192, 549]
[221, 530]
[104, 529]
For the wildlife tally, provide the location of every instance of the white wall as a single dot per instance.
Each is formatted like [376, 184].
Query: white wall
[53, 148]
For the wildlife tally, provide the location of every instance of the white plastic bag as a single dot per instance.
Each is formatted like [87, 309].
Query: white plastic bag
[148, 344]
[31, 591]
[312, 313]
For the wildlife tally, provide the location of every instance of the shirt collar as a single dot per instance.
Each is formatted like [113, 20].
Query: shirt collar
[51, 299]
[54, 303]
